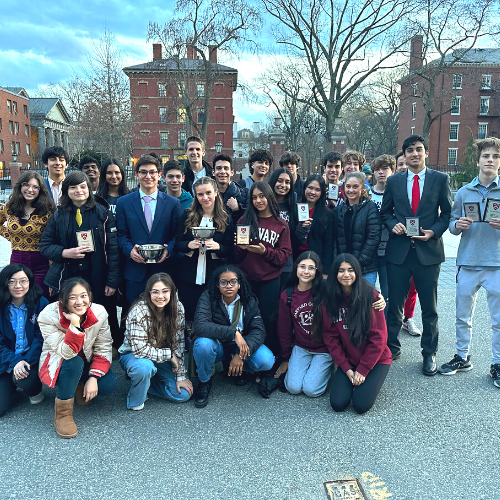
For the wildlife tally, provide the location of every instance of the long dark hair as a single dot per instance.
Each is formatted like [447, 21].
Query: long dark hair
[289, 198]
[317, 290]
[42, 203]
[104, 186]
[245, 291]
[320, 215]
[250, 217]
[74, 179]
[160, 325]
[68, 286]
[358, 314]
[34, 292]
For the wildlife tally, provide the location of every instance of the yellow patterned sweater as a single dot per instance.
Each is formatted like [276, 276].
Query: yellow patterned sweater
[22, 237]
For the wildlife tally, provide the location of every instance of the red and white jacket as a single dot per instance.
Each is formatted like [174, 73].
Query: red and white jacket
[61, 341]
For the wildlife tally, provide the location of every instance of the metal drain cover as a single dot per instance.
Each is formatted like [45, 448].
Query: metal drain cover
[344, 489]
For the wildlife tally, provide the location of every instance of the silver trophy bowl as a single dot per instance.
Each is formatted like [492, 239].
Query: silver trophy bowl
[203, 233]
[151, 253]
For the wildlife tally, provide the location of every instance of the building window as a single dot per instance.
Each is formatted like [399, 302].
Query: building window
[1, 145]
[201, 115]
[484, 108]
[457, 81]
[455, 105]
[454, 131]
[162, 90]
[164, 140]
[452, 156]
[27, 130]
[25, 110]
[483, 131]
[9, 106]
[11, 126]
[181, 139]
[29, 165]
[18, 147]
[163, 114]
[415, 88]
[0, 124]
[486, 82]
[412, 131]
[200, 89]
[12, 147]
[16, 128]
[164, 159]
[181, 87]
[28, 149]
[181, 115]
[413, 110]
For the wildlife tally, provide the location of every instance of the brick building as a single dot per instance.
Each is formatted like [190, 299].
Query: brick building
[470, 88]
[159, 119]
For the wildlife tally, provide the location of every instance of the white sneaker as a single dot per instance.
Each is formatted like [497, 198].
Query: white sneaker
[35, 400]
[137, 408]
[410, 326]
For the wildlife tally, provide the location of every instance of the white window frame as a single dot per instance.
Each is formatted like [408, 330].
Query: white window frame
[164, 133]
[458, 99]
[162, 89]
[413, 110]
[200, 87]
[485, 99]
[452, 127]
[412, 131]
[415, 88]
[160, 108]
[485, 125]
[181, 141]
[454, 160]
[181, 115]
[457, 81]
[486, 82]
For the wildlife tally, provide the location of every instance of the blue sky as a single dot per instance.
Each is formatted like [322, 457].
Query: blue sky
[44, 42]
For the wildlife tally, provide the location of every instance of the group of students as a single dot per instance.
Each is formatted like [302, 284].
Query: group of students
[296, 300]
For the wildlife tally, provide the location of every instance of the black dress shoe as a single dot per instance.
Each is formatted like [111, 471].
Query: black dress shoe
[429, 367]
[201, 394]
[396, 355]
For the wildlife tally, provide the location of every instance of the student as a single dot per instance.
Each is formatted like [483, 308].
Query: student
[358, 226]
[234, 197]
[401, 163]
[262, 261]
[383, 167]
[316, 233]
[113, 183]
[306, 360]
[27, 213]
[146, 216]
[356, 336]
[21, 302]
[78, 211]
[291, 161]
[332, 164]
[197, 167]
[419, 256]
[56, 160]
[281, 182]
[228, 327]
[478, 259]
[199, 262]
[173, 175]
[259, 163]
[153, 350]
[88, 165]
[76, 353]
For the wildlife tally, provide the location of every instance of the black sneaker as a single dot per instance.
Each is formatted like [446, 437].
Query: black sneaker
[495, 374]
[457, 364]
[201, 394]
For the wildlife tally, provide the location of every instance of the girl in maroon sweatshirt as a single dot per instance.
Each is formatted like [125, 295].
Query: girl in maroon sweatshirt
[356, 336]
[262, 261]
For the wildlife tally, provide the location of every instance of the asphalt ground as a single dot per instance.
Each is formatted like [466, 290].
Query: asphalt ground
[426, 438]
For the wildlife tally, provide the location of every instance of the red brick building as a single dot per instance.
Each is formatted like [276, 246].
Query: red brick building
[470, 88]
[159, 118]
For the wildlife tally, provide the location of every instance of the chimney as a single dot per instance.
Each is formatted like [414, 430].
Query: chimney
[156, 51]
[191, 52]
[212, 50]
[416, 52]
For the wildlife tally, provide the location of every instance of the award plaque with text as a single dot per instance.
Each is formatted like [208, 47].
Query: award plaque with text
[412, 226]
[85, 239]
[242, 235]
[333, 192]
[472, 211]
[303, 211]
[492, 210]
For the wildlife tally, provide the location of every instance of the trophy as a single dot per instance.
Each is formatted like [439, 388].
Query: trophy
[151, 253]
[202, 233]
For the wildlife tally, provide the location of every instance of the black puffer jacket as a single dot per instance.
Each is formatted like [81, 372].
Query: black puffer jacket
[365, 231]
[58, 237]
[212, 321]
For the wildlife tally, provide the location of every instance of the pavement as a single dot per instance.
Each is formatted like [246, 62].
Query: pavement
[426, 438]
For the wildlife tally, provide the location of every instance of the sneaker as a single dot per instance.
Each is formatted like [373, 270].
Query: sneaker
[457, 364]
[137, 408]
[35, 400]
[495, 374]
[410, 326]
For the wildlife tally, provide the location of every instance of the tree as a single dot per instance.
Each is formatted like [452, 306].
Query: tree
[208, 28]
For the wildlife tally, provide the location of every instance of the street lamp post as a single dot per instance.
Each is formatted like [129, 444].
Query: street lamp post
[218, 146]
[321, 158]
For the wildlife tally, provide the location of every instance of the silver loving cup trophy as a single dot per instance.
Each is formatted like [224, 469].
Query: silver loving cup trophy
[151, 253]
[202, 233]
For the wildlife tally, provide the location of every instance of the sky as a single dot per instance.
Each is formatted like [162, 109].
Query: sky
[45, 42]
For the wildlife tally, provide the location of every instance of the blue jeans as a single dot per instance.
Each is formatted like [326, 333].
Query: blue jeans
[75, 370]
[147, 376]
[308, 372]
[207, 352]
[371, 277]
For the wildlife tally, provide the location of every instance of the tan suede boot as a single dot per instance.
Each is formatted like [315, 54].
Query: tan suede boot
[80, 400]
[63, 418]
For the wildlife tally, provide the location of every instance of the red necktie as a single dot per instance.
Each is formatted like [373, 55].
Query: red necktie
[415, 195]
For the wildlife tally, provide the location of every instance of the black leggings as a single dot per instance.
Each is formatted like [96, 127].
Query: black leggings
[363, 396]
[31, 385]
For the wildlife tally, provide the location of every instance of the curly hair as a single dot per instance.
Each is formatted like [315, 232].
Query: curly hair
[245, 291]
[42, 203]
[354, 155]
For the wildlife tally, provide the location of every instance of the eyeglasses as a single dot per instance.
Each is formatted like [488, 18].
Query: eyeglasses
[157, 293]
[225, 283]
[27, 185]
[145, 173]
[303, 267]
[22, 282]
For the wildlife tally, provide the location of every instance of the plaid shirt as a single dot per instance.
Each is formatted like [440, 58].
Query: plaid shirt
[136, 339]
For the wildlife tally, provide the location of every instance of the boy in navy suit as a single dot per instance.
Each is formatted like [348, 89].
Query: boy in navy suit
[56, 160]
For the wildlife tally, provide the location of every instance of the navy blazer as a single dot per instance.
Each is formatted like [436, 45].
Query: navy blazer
[434, 211]
[133, 230]
[8, 356]
[50, 190]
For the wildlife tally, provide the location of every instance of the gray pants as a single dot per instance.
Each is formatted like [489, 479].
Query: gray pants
[468, 284]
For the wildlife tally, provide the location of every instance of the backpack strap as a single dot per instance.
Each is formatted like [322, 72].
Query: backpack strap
[289, 293]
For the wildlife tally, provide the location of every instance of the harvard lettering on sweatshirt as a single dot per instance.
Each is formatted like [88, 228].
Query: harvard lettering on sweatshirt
[275, 236]
[295, 323]
[349, 357]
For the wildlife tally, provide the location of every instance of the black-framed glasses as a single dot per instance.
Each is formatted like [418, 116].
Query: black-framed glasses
[225, 283]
